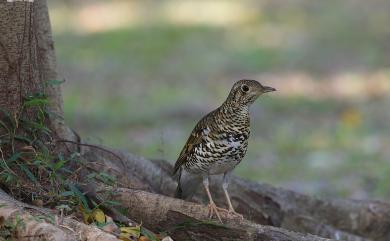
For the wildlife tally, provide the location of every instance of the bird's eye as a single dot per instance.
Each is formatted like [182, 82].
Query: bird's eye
[244, 88]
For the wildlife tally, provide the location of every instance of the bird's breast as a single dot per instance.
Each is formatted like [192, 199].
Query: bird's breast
[219, 153]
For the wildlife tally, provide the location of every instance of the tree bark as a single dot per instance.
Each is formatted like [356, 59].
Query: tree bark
[32, 224]
[27, 61]
[27, 65]
[259, 203]
[189, 221]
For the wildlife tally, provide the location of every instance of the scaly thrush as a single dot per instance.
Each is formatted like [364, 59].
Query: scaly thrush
[219, 142]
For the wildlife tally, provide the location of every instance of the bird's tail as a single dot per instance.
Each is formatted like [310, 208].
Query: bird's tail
[179, 190]
[187, 184]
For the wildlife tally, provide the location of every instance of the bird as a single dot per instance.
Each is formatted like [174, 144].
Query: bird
[218, 143]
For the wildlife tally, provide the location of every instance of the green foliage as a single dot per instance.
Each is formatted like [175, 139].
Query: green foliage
[30, 167]
[8, 228]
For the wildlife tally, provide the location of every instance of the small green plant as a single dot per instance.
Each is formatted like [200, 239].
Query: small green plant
[31, 168]
[8, 228]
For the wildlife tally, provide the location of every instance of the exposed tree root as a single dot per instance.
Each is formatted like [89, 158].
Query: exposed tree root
[27, 222]
[189, 221]
[259, 203]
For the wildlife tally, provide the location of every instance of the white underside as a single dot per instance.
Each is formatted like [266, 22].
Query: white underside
[220, 167]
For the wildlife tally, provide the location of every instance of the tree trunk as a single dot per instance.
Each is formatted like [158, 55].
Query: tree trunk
[27, 67]
[28, 63]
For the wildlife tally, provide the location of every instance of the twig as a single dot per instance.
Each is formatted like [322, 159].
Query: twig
[5, 163]
[93, 146]
[66, 227]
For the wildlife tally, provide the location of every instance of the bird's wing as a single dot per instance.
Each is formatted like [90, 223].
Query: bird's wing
[197, 135]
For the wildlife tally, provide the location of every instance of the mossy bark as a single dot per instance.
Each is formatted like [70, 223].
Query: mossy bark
[28, 62]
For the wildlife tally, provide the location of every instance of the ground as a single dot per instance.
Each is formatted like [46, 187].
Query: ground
[143, 86]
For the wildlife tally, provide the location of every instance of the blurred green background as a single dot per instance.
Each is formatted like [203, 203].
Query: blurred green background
[140, 74]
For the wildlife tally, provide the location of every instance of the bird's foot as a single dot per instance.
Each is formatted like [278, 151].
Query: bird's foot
[235, 214]
[213, 209]
[231, 213]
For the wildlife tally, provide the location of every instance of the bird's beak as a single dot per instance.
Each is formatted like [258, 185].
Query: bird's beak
[266, 89]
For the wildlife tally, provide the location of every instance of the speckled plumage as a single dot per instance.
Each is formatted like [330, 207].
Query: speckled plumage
[220, 139]
[218, 142]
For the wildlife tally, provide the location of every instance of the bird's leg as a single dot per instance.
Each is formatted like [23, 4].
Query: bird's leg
[225, 185]
[212, 207]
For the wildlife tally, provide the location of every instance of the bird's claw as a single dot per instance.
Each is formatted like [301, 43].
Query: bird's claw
[214, 209]
[233, 213]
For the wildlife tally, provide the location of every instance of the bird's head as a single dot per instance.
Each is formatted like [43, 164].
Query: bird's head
[245, 92]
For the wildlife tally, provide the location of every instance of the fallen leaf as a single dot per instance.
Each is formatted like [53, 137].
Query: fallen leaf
[130, 232]
[87, 217]
[110, 226]
[167, 238]
[38, 202]
[2, 221]
[143, 238]
[98, 216]
[351, 118]
[124, 238]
